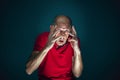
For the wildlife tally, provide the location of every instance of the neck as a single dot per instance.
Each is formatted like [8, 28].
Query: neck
[59, 46]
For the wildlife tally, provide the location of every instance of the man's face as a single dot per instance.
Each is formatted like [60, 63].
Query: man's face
[64, 30]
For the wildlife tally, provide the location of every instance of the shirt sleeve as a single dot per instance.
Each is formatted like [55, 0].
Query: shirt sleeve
[40, 42]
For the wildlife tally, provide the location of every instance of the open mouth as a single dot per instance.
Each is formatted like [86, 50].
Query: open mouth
[61, 41]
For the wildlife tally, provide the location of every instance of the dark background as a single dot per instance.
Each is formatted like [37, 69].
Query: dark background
[96, 22]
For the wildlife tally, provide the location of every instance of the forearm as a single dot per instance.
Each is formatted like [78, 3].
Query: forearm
[77, 63]
[36, 60]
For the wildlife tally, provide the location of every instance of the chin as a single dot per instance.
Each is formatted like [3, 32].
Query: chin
[60, 44]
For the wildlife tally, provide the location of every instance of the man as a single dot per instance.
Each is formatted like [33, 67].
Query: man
[56, 54]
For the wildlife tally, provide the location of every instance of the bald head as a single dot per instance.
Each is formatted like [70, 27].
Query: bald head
[62, 19]
[63, 25]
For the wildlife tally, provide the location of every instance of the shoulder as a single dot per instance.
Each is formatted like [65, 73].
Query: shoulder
[43, 35]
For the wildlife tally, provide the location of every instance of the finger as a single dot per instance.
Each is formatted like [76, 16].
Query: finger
[55, 33]
[71, 34]
[52, 28]
[71, 40]
[74, 31]
[57, 38]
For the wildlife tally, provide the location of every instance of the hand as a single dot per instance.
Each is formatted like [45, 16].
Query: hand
[52, 36]
[73, 41]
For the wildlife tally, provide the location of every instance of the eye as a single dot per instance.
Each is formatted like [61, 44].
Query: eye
[66, 32]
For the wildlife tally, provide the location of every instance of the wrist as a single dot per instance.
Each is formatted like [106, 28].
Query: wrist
[75, 47]
[76, 50]
[48, 46]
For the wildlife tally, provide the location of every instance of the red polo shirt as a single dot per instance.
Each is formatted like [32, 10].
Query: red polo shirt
[57, 64]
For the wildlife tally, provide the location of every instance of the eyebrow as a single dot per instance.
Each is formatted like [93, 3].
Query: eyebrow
[63, 29]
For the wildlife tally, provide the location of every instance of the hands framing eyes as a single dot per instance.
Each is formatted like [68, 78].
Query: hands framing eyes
[53, 38]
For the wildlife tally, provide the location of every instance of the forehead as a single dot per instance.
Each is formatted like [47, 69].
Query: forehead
[62, 19]
[63, 26]
[62, 22]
